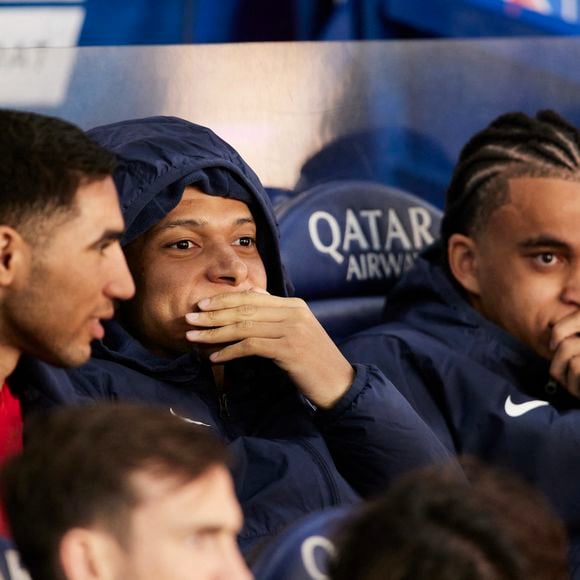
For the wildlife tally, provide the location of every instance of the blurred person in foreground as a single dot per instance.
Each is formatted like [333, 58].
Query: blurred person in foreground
[119, 492]
[213, 336]
[433, 526]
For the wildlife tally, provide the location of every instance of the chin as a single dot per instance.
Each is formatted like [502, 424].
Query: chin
[206, 350]
[544, 353]
[71, 357]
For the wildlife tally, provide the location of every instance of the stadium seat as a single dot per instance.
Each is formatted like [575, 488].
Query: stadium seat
[345, 243]
[303, 550]
[10, 568]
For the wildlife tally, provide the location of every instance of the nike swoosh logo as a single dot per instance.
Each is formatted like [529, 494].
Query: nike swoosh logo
[187, 420]
[518, 409]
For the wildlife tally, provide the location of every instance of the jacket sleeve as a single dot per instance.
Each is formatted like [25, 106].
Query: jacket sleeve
[375, 435]
[542, 447]
[411, 372]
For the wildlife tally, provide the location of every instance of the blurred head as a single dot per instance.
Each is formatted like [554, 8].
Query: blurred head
[510, 228]
[121, 491]
[61, 266]
[206, 245]
[433, 526]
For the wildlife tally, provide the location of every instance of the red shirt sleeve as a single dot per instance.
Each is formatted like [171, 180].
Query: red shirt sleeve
[10, 435]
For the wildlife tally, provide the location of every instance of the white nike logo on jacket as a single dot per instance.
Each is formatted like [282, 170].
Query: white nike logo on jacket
[518, 409]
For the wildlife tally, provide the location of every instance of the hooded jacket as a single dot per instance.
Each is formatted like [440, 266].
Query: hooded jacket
[288, 459]
[482, 391]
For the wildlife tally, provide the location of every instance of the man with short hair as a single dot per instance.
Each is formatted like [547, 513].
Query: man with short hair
[482, 334]
[122, 492]
[213, 336]
[61, 265]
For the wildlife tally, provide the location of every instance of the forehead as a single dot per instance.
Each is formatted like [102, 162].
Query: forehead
[96, 205]
[539, 205]
[196, 204]
[208, 500]
[94, 211]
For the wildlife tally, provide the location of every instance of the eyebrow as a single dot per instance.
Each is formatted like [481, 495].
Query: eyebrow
[543, 242]
[109, 236]
[193, 223]
[211, 529]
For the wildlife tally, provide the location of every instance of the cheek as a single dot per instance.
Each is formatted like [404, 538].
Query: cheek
[257, 274]
[164, 300]
[527, 309]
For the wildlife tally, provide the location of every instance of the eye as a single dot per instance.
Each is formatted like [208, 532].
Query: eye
[105, 245]
[194, 540]
[182, 245]
[546, 259]
[246, 241]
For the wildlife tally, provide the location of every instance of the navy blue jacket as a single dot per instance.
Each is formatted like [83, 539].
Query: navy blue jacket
[289, 460]
[482, 391]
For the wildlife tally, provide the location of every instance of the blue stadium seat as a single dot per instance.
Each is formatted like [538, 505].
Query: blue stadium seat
[10, 568]
[345, 243]
[303, 550]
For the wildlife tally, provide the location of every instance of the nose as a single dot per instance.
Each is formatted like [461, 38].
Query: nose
[224, 266]
[571, 290]
[120, 283]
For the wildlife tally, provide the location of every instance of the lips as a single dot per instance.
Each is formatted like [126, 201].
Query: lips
[96, 328]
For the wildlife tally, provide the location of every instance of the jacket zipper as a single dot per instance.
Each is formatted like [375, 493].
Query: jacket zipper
[223, 405]
[326, 473]
[222, 399]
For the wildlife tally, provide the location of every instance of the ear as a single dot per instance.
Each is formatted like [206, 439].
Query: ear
[14, 251]
[462, 255]
[88, 554]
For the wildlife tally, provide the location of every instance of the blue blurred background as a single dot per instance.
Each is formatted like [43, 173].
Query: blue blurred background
[114, 22]
[393, 109]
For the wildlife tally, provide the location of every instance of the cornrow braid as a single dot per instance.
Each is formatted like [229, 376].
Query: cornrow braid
[513, 145]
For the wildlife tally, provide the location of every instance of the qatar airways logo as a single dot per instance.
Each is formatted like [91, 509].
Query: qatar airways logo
[373, 243]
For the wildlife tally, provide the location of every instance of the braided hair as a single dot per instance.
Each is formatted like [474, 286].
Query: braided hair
[513, 145]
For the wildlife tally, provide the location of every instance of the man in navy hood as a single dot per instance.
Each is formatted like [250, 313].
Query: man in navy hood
[213, 337]
[483, 334]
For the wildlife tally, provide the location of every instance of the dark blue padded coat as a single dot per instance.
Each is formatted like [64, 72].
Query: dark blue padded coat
[482, 391]
[288, 459]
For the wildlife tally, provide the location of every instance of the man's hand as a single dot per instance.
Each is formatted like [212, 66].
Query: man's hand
[281, 329]
[565, 344]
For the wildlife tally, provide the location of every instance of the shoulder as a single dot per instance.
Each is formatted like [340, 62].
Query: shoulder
[392, 340]
[101, 378]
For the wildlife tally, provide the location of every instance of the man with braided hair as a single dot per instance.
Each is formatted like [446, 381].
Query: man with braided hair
[483, 335]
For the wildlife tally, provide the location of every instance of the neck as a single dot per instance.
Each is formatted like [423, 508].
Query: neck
[8, 360]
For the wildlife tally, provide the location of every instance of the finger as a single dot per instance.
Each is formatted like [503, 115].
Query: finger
[227, 316]
[236, 332]
[264, 347]
[573, 377]
[235, 299]
[567, 350]
[565, 328]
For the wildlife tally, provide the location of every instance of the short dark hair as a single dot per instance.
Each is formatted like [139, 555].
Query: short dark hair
[76, 470]
[44, 160]
[513, 145]
[434, 526]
